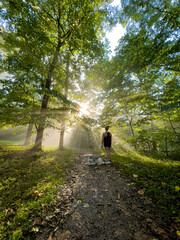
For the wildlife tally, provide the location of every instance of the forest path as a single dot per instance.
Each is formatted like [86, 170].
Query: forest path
[98, 203]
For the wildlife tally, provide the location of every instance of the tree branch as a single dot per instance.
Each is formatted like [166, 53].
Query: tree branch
[174, 130]
[46, 11]
[172, 69]
[158, 8]
[36, 126]
[58, 20]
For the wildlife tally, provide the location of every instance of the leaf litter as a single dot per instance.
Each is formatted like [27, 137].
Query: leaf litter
[96, 203]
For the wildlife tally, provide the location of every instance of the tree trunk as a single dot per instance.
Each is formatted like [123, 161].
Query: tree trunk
[63, 124]
[61, 142]
[174, 130]
[166, 142]
[28, 134]
[40, 129]
[154, 144]
[130, 123]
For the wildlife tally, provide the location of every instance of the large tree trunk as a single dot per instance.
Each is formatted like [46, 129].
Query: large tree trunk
[40, 128]
[63, 124]
[28, 134]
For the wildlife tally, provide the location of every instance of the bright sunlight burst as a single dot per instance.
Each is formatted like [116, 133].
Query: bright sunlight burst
[84, 109]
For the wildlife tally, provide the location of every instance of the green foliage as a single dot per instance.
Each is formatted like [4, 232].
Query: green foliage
[28, 184]
[153, 29]
[36, 39]
[140, 84]
[16, 235]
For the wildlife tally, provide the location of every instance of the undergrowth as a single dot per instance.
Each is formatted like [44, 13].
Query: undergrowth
[28, 183]
[159, 179]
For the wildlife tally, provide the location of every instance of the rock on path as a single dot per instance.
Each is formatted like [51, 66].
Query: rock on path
[100, 204]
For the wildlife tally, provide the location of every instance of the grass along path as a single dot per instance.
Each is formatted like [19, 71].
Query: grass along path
[99, 202]
[159, 179]
[29, 194]
[28, 183]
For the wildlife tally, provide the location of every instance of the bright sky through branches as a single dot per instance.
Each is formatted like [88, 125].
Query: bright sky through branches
[116, 33]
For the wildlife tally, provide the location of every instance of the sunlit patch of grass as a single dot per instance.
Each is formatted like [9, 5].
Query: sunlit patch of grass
[28, 182]
[159, 179]
[11, 143]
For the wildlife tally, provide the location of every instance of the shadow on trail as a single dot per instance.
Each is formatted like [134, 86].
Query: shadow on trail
[101, 205]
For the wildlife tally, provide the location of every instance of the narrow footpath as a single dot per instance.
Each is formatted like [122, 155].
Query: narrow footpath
[99, 203]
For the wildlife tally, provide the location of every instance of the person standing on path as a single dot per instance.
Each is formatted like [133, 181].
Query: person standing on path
[106, 141]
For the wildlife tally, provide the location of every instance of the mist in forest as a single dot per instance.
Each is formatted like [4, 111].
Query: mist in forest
[77, 137]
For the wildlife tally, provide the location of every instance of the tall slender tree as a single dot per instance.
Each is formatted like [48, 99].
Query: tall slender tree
[63, 124]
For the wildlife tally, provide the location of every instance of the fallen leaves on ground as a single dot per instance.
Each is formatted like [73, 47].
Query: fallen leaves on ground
[141, 191]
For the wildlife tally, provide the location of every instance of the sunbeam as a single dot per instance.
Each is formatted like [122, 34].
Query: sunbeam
[84, 109]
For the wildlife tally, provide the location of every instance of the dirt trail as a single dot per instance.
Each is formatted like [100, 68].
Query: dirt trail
[98, 203]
